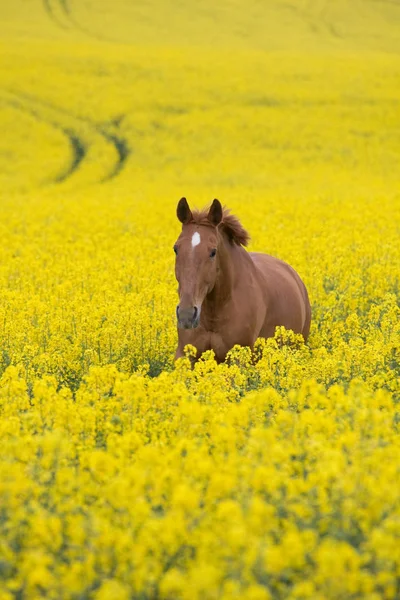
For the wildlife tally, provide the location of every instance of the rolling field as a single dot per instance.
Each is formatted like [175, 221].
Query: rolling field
[122, 475]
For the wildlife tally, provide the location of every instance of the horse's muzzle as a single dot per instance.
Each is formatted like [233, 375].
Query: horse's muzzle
[188, 318]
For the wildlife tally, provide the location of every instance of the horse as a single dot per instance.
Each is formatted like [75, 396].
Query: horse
[227, 295]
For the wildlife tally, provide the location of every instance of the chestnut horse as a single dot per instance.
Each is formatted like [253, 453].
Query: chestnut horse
[227, 295]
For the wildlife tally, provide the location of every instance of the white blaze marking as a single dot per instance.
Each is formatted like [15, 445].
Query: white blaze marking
[195, 239]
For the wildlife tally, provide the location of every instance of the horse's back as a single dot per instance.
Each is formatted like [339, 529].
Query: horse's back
[286, 296]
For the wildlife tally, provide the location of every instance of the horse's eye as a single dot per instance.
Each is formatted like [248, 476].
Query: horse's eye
[213, 252]
[176, 249]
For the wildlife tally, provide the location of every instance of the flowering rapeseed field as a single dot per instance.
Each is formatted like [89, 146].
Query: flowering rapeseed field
[122, 475]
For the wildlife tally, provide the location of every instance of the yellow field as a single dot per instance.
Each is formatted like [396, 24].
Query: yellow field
[122, 475]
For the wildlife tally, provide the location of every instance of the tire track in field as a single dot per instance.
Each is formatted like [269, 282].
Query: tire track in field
[66, 8]
[317, 22]
[68, 21]
[326, 21]
[119, 143]
[48, 7]
[123, 150]
[78, 147]
[303, 16]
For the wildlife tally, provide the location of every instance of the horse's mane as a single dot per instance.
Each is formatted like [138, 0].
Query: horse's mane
[230, 225]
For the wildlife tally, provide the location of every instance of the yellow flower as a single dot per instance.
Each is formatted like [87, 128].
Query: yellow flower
[111, 590]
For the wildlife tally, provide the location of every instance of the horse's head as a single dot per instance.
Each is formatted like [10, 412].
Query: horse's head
[196, 252]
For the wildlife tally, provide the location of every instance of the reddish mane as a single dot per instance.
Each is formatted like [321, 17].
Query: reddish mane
[230, 225]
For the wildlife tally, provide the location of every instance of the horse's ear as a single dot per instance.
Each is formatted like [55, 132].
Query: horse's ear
[215, 213]
[183, 211]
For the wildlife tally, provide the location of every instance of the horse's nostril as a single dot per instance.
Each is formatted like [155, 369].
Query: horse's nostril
[188, 318]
